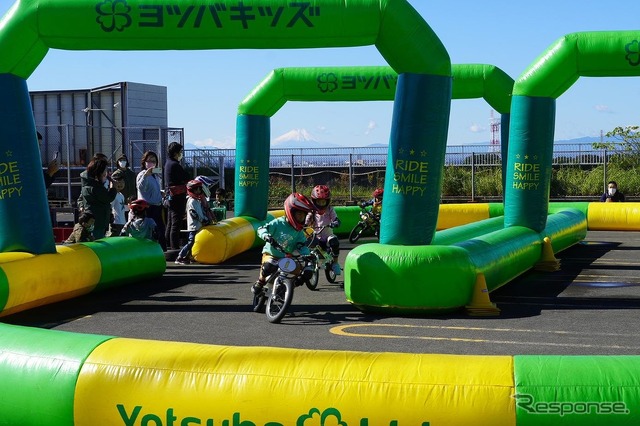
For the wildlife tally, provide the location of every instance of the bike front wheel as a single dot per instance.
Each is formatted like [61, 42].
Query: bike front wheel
[279, 300]
[356, 232]
[312, 283]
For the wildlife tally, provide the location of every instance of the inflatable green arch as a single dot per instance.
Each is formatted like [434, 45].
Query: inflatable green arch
[589, 54]
[404, 39]
[339, 84]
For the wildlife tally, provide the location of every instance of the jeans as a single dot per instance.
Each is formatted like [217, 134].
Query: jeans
[185, 252]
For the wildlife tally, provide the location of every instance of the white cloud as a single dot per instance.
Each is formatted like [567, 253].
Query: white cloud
[603, 108]
[370, 127]
[476, 128]
[210, 143]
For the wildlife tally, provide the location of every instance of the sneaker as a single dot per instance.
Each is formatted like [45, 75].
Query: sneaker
[336, 269]
[182, 261]
[257, 288]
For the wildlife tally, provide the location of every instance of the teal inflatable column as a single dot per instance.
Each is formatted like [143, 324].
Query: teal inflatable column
[252, 166]
[529, 162]
[504, 148]
[25, 224]
[417, 148]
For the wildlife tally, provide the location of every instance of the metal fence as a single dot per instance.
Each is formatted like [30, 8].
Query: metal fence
[351, 165]
[294, 164]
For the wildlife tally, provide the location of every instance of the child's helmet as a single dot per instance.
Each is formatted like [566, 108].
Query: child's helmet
[207, 183]
[297, 202]
[378, 193]
[321, 197]
[192, 185]
[138, 205]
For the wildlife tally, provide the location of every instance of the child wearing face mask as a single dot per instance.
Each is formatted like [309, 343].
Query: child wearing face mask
[82, 231]
[612, 195]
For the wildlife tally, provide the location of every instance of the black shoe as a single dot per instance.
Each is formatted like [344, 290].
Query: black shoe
[257, 288]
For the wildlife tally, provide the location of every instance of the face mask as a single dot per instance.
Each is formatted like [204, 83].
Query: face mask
[122, 164]
[149, 164]
[90, 229]
[179, 157]
[612, 191]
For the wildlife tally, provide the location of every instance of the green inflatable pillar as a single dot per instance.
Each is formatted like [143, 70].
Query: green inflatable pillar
[252, 166]
[25, 223]
[529, 162]
[504, 147]
[416, 158]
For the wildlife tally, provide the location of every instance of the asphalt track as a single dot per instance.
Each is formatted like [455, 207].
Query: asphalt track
[590, 306]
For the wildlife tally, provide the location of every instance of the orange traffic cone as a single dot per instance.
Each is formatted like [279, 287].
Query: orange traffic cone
[480, 305]
[548, 261]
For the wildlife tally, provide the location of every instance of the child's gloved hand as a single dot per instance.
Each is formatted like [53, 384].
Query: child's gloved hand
[334, 224]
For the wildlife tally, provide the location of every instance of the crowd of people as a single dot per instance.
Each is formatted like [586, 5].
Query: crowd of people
[123, 203]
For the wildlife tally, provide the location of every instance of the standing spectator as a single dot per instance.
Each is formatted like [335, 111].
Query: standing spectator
[196, 219]
[612, 195]
[97, 198]
[52, 167]
[175, 179]
[117, 205]
[83, 230]
[130, 189]
[149, 189]
[84, 179]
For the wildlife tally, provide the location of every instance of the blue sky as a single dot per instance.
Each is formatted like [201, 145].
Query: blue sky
[205, 87]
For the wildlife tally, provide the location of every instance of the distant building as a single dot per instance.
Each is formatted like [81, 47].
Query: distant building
[124, 117]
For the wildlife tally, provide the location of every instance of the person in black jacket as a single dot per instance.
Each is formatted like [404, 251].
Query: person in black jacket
[612, 194]
[175, 181]
[97, 198]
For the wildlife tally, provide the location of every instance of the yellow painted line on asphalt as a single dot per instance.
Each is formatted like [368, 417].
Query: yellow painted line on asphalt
[341, 330]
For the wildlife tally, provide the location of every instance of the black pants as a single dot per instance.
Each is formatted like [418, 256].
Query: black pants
[176, 220]
[155, 213]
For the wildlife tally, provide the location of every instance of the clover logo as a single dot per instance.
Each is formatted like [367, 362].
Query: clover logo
[633, 53]
[327, 82]
[329, 417]
[113, 15]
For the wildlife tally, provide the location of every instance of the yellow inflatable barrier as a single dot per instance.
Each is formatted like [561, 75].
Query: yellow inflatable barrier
[40, 280]
[129, 381]
[614, 216]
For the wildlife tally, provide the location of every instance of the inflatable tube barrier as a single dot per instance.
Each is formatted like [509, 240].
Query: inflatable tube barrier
[54, 378]
[230, 237]
[440, 278]
[28, 281]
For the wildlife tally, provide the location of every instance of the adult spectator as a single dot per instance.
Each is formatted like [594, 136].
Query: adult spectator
[175, 178]
[612, 195]
[129, 177]
[97, 198]
[149, 189]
